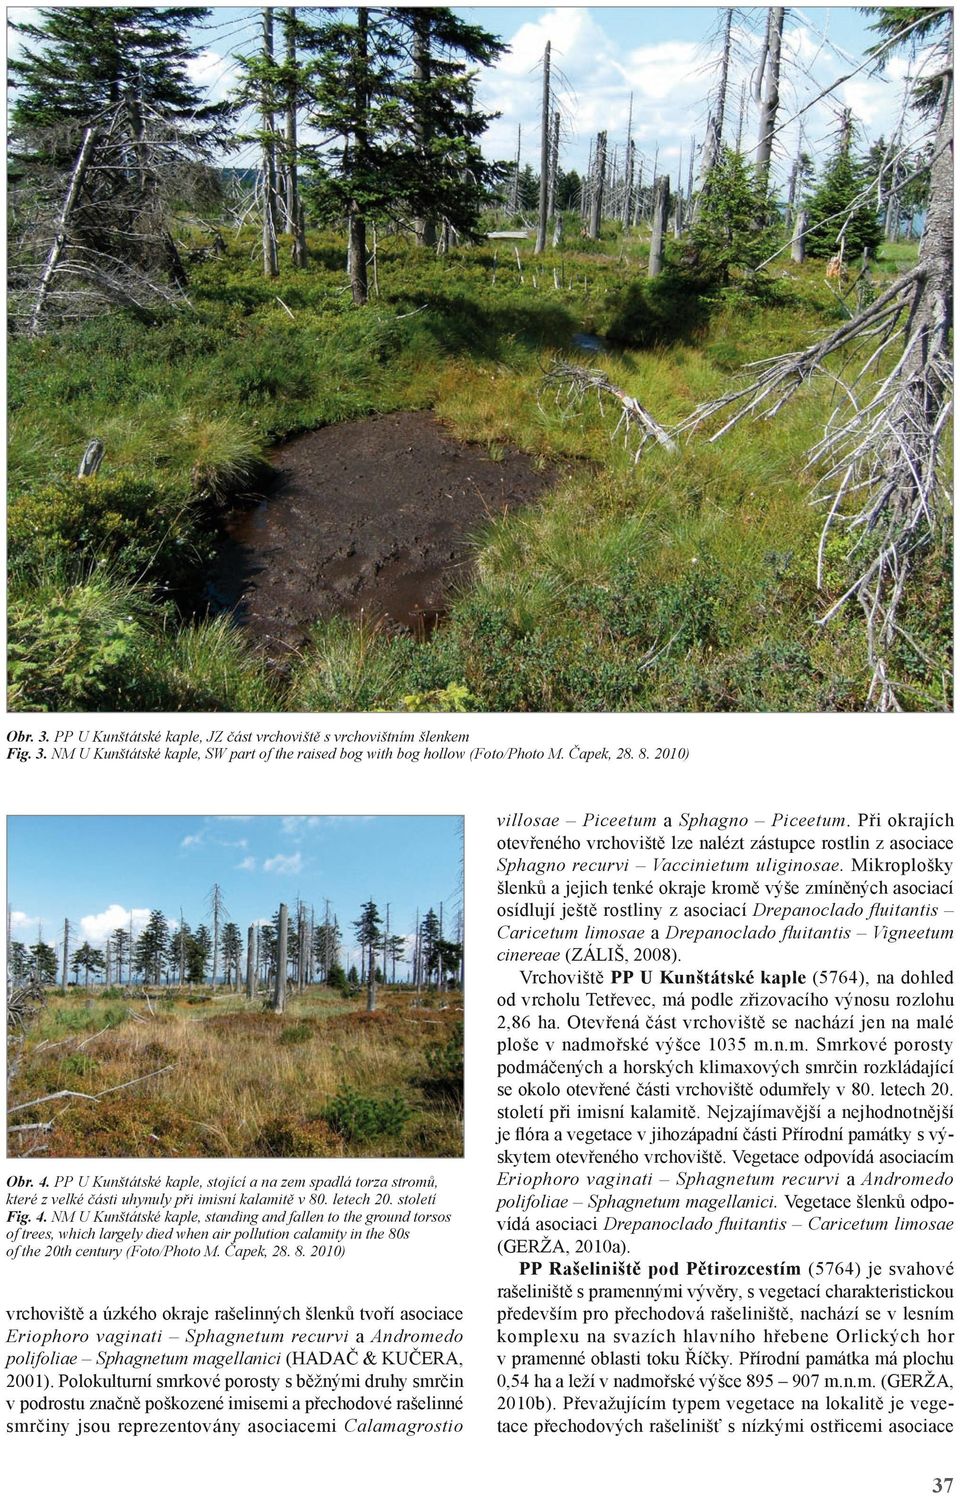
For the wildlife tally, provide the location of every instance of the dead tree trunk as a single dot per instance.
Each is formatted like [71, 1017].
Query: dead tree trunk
[600, 172]
[357, 248]
[515, 195]
[425, 228]
[357, 259]
[554, 166]
[626, 218]
[741, 121]
[544, 204]
[792, 190]
[280, 975]
[678, 199]
[271, 267]
[721, 108]
[294, 213]
[798, 246]
[63, 227]
[661, 200]
[91, 459]
[770, 100]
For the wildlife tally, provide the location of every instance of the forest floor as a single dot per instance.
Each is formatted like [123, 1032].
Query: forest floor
[372, 519]
[201, 1075]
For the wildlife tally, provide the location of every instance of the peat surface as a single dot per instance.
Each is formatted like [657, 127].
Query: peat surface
[375, 518]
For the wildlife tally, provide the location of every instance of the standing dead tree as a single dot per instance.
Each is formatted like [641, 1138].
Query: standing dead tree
[599, 181]
[661, 205]
[268, 145]
[767, 92]
[545, 176]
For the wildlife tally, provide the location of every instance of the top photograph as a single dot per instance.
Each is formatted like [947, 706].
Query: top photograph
[494, 359]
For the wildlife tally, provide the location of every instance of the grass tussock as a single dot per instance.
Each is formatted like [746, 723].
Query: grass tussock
[216, 1077]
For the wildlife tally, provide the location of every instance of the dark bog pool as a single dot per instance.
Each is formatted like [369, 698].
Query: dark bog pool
[372, 518]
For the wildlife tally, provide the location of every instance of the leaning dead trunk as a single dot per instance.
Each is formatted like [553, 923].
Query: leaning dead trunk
[63, 226]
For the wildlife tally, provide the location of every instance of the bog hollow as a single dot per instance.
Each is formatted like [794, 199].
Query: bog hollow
[374, 518]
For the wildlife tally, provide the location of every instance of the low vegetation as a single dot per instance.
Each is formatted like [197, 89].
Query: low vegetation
[123, 1073]
[680, 582]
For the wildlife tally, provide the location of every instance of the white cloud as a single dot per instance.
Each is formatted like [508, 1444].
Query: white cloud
[298, 826]
[248, 865]
[671, 81]
[96, 927]
[216, 74]
[204, 838]
[283, 864]
[21, 922]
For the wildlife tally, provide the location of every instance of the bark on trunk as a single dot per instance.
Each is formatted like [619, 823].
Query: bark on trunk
[280, 975]
[770, 101]
[269, 164]
[63, 227]
[600, 172]
[425, 228]
[554, 165]
[544, 204]
[931, 316]
[357, 259]
[661, 199]
[294, 213]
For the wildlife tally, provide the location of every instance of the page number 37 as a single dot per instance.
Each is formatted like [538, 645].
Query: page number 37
[942, 1485]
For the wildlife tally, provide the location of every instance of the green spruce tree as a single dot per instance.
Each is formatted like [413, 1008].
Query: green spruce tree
[842, 209]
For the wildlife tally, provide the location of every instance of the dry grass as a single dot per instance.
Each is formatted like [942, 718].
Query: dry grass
[242, 1082]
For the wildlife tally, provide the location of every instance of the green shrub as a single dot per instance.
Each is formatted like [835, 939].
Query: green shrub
[296, 1033]
[75, 646]
[444, 1077]
[140, 527]
[359, 1118]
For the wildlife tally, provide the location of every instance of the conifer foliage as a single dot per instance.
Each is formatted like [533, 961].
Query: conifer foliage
[107, 134]
[842, 211]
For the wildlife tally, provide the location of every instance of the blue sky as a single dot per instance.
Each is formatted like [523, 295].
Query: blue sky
[98, 870]
[665, 56]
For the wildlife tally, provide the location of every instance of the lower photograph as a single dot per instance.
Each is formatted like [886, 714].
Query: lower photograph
[235, 986]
